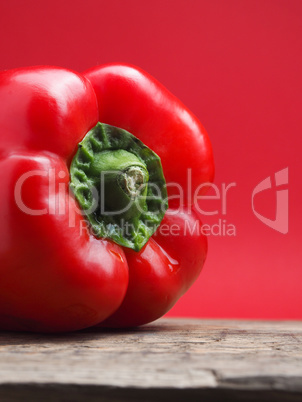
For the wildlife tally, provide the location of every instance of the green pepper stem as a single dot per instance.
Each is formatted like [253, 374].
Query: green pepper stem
[129, 183]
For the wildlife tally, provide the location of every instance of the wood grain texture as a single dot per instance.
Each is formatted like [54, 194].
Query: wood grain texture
[218, 360]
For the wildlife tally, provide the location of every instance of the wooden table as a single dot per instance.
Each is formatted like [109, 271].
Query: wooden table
[171, 359]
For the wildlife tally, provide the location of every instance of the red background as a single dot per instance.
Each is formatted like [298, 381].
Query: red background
[237, 65]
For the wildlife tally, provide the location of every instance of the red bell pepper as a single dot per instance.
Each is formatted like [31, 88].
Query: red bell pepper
[65, 265]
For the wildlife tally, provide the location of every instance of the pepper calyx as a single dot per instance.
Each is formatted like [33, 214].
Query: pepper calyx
[119, 184]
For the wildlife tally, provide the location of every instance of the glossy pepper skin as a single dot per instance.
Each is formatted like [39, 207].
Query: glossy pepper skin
[55, 274]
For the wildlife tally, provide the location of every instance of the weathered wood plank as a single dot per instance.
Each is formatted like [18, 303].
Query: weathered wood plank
[213, 359]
